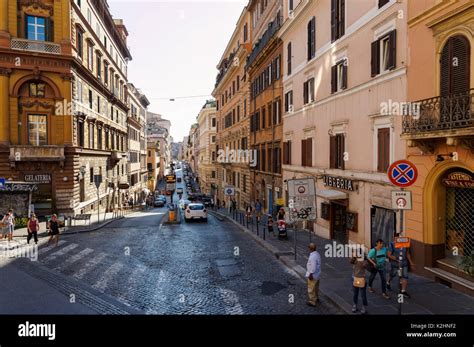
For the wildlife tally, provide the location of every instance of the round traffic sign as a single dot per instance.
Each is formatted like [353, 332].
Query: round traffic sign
[402, 173]
[401, 202]
[301, 189]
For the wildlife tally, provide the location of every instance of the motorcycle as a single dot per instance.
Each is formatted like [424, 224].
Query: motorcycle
[282, 232]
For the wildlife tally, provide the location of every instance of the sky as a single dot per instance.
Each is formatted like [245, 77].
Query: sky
[176, 46]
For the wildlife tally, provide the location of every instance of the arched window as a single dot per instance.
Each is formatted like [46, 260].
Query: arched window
[455, 66]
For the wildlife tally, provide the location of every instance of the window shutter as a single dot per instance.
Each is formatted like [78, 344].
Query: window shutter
[445, 70]
[380, 151]
[333, 78]
[344, 74]
[286, 101]
[392, 55]
[308, 40]
[305, 92]
[285, 152]
[309, 152]
[383, 149]
[289, 58]
[333, 20]
[460, 73]
[303, 152]
[375, 64]
[342, 20]
[48, 30]
[332, 151]
[289, 152]
[341, 146]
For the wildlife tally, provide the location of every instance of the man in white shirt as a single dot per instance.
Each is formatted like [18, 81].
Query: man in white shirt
[313, 274]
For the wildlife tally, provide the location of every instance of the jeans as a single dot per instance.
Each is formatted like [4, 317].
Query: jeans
[382, 273]
[363, 293]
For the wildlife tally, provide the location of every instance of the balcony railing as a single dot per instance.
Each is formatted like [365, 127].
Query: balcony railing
[35, 46]
[440, 113]
[273, 28]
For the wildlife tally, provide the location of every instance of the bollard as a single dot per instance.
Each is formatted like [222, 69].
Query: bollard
[257, 226]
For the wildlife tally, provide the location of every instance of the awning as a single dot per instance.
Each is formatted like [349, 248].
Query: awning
[330, 194]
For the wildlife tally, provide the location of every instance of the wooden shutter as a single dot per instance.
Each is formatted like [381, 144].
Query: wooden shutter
[383, 149]
[289, 152]
[263, 117]
[392, 54]
[305, 92]
[344, 74]
[460, 72]
[285, 152]
[49, 30]
[311, 38]
[445, 70]
[374, 62]
[309, 152]
[286, 102]
[342, 19]
[340, 151]
[333, 20]
[289, 58]
[333, 78]
[303, 152]
[332, 151]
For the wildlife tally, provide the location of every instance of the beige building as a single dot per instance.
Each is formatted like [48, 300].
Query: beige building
[232, 101]
[344, 65]
[207, 147]
[153, 165]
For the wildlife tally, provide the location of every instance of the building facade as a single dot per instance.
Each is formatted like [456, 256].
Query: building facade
[207, 148]
[232, 101]
[264, 67]
[153, 165]
[63, 94]
[344, 63]
[440, 137]
[158, 130]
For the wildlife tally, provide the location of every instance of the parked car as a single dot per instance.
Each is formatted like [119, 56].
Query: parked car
[159, 202]
[207, 201]
[162, 197]
[195, 211]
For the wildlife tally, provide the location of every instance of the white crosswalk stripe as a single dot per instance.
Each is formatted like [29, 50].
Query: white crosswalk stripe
[47, 249]
[113, 270]
[91, 264]
[61, 252]
[158, 293]
[231, 301]
[74, 258]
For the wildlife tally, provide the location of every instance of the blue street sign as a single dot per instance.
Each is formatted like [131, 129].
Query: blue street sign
[2, 182]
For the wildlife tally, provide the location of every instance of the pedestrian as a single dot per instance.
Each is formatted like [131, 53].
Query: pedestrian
[33, 228]
[9, 221]
[313, 274]
[234, 205]
[258, 209]
[281, 214]
[270, 225]
[394, 255]
[359, 283]
[248, 212]
[53, 227]
[377, 257]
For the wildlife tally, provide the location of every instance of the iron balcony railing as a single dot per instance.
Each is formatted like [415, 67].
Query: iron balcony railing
[440, 113]
[273, 28]
[35, 46]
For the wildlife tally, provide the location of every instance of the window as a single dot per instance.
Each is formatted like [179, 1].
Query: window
[384, 52]
[98, 104]
[263, 116]
[262, 158]
[455, 78]
[37, 28]
[213, 156]
[99, 138]
[91, 135]
[213, 139]
[79, 91]
[238, 83]
[311, 38]
[336, 156]
[80, 133]
[339, 76]
[289, 102]
[277, 68]
[307, 152]
[213, 174]
[289, 56]
[99, 66]
[107, 146]
[270, 160]
[337, 19]
[213, 122]
[238, 113]
[244, 188]
[308, 91]
[290, 6]
[80, 42]
[383, 149]
[276, 112]
[90, 56]
[91, 102]
[37, 130]
[244, 143]
[37, 90]
[233, 87]
[383, 2]
[106, 73]
[89, 16]
[287, 153]
[246, 32]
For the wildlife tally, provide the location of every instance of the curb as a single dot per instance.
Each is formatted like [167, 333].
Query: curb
[288, 262]
[92, 229]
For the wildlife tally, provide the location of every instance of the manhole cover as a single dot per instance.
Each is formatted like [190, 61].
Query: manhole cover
[270, 288]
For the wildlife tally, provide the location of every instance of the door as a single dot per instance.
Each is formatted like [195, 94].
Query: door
[338, 223]
[383, 225]
[459, 221]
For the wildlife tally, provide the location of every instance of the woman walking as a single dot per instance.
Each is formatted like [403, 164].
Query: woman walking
[53, 227]
[33, 228]
[9, 221]
[359, 283]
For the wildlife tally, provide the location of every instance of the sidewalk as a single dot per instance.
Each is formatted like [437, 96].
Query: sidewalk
[427, 297]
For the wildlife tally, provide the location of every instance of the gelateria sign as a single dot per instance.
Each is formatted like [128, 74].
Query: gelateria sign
[37, 178]
[459, 180]
[340, 183]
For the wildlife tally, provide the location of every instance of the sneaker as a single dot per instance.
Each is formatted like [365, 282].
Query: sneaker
[405, 294]
[354, 308]
[363, 310]
[389, 287]
[385, 296]
[371, 290]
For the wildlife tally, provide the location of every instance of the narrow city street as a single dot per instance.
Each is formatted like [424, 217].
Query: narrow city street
[153, 268]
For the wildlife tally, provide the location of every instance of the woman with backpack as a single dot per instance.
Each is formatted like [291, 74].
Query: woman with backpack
[33, 228]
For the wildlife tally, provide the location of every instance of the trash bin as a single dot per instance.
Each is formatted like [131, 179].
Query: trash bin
[171, 213]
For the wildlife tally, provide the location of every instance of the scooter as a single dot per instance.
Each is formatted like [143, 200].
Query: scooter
[282, 232]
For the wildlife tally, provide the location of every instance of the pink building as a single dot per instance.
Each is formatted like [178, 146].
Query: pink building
[344, 80]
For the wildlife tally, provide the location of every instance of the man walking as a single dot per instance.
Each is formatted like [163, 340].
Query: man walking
[313, 274]
[258, 209]
[394, 254]
[377, 257]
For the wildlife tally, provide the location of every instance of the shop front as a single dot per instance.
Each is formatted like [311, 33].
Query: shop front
[17, 196]
[42, 202]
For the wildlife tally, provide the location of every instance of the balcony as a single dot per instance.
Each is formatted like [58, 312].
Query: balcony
[36, 153]
[267, 36]
[35, 46]
[441, 117]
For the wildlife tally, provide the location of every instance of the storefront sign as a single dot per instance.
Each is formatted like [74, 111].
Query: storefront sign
[459, 180]
[38, 178]
[339, 182]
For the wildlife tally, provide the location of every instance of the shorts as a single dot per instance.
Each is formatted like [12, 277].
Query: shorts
[394, 271]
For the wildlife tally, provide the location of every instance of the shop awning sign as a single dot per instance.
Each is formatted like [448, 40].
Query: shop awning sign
[402, 173]
[459, 180]
[401, 200]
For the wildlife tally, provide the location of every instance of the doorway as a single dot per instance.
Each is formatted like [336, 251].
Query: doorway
[338, 223]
